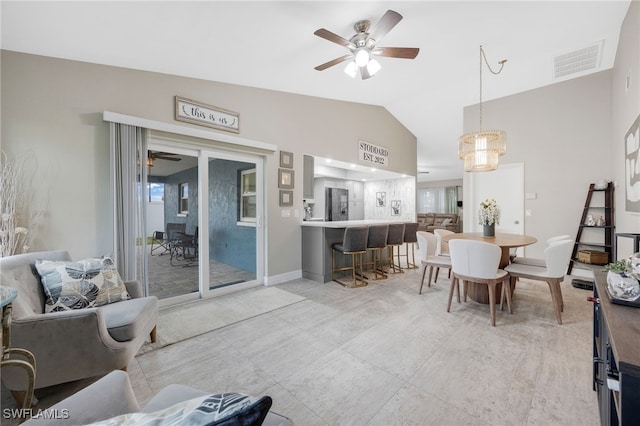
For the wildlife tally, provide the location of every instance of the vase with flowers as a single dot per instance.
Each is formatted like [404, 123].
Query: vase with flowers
[489, 216]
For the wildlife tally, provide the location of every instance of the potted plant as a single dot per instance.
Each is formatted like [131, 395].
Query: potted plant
[623, 279]
[489, 216]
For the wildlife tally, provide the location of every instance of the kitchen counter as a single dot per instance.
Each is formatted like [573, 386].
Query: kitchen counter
[317, 239]
[345, 223]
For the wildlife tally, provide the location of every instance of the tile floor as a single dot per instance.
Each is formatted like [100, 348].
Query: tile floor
[384, 355]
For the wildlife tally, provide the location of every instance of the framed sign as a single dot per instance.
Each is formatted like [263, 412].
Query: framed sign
[377, 156]
[206, 115]
[285, 179]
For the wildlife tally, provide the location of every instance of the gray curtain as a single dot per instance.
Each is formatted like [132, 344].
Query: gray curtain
[128, 169]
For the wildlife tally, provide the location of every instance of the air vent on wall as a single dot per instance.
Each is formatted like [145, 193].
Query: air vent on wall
[578, 61]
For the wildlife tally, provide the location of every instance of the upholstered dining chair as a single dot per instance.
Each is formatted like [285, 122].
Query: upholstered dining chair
[539, 262]
[428, 259]
[354, 243]
[477, 261]
[442, 247]
[556, 257]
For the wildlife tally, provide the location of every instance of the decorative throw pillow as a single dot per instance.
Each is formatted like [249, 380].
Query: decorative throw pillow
[446, 221]
[224, 409]
[82, 284]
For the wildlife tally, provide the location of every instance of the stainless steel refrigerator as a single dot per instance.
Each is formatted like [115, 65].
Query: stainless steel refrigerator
[336, 204]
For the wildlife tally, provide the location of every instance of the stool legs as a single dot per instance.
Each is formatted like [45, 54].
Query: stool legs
[394, 268]
[355, 268]
[412, 264]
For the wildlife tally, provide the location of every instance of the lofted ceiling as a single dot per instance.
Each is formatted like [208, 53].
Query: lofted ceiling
[270, 44]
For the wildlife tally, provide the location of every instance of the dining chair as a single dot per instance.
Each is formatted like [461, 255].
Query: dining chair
[536, 261]
[428, 259]
[442, 247]
[556, 257]
[477, 262]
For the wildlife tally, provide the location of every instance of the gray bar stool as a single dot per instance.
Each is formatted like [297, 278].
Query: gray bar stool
[395, 240]
[354, 243]
[376, 242]
[410, 240]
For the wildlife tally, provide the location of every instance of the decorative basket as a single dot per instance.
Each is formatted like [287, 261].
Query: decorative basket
[593, 257]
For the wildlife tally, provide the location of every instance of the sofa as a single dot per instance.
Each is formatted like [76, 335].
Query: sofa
[72, 344]
[111, 398]
[427, 222]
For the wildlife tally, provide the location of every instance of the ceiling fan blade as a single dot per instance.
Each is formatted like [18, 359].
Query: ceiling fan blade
[389, 20]
[397, 52]
[160, 157]
[333, 62]
[332, 37]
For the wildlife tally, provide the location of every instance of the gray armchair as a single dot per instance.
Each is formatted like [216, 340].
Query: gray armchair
[76, 344]
[113, 396]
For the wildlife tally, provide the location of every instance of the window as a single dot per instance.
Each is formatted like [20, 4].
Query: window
[248, 195]
[155, 192]
[183, 207]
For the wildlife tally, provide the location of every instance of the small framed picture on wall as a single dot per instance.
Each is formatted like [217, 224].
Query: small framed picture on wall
[286, 198]
[381, 199]
[285, 179]
[286, 159]
[395, 207]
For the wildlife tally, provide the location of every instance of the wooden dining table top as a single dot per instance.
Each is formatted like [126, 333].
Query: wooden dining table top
[501, 239]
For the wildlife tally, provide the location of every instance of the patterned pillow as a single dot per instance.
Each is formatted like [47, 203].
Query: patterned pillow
[446, 221]
[83, 284]
[220, 409]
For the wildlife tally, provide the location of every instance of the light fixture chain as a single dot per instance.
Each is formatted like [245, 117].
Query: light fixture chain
[484, 57]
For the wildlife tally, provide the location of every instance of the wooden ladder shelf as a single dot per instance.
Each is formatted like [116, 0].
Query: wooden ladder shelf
[604, 245]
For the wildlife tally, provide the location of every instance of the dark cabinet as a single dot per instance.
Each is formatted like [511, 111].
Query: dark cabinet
[616, 357]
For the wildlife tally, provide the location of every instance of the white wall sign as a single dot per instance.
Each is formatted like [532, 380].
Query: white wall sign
[376, 155]
[206, 115]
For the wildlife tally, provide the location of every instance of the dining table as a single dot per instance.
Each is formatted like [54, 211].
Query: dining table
[506, 242]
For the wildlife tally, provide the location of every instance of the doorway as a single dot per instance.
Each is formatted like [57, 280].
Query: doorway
[506, 185]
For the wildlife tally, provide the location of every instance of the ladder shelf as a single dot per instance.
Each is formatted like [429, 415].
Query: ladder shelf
[604, 232]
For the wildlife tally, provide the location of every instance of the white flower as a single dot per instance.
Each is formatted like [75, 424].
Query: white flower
[489, 212]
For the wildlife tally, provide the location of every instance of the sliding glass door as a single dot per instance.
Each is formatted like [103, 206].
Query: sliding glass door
[203, 221]
[233, 206]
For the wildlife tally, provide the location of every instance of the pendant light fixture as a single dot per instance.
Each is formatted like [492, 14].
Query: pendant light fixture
[480, 149]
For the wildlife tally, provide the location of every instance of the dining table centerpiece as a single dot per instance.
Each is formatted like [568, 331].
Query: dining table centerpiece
[489, 216]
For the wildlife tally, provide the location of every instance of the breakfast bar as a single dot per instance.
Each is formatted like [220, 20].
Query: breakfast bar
[317, 238]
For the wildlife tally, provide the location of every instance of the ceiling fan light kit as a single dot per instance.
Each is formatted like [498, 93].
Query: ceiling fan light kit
[362, 46]
[481, 149]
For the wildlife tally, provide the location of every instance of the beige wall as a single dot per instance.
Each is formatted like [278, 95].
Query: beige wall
[569, 135]
[625, 108]
[53, 108]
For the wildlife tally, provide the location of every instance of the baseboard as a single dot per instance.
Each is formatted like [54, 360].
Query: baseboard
[282, 278]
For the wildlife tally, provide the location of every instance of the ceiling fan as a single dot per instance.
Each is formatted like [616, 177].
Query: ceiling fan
[363, 46]
[159, 155]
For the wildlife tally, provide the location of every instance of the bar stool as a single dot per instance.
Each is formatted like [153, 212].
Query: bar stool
[354, 243]
[376, 242]
[410, 240]
[395, 240]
